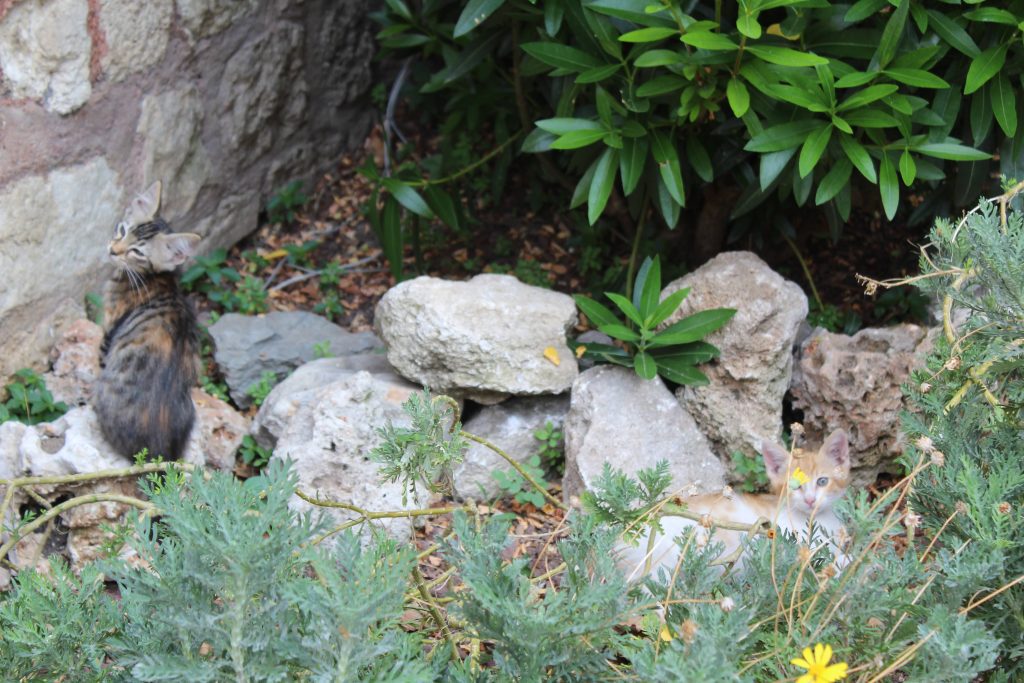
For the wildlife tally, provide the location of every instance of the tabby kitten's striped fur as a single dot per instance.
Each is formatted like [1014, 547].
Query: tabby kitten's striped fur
[148, 357]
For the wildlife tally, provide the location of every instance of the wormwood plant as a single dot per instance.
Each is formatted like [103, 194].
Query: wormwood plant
[672, 352]
[967, 409]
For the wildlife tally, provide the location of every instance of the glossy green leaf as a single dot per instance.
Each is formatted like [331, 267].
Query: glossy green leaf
[855, 79]
[772, 164]
[984, 67]
[562, 56]
[706, 40]
[981, 118]
[699, 159]
[666, 308]
[621, 332]
[598, 314]
[391, 236]
[648, 35]
[867, 95]
[554, 12]
[582, 191]
[407, 197]
[602, 184]
[442, 204]
[834, 181]
[952, 33]
[785, 56]
[992, 15]
[537, 141]
[692, 328]
[918, 78]
[951, 151]
[682, 374]
[1004, 104]
[578, 138]
[644, 365]
[475, 13]
[626, 306]
[647, 288]
[738, 95]
[654, 58]
[862, 9]
[892, 34]
[631, 162]
[667, 206]
[661, 85]
[870, 118]
[859, 156]
[782, 136]
[813, 148]
[686, 354]
[888, 187]
[561, 126]
[747, 25]
[908, 169]
[667, 157]
[598, 73]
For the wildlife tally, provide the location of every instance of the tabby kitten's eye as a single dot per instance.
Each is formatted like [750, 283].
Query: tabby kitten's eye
[822, 481]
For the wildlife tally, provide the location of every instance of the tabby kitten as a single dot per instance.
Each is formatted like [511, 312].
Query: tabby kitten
[793, 503]
[148, 357]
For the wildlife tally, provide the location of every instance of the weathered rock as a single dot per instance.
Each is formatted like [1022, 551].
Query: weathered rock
[60, 220]
[219, 430]
[247, 346]
[329, 440]
[276, 91]
[172, 150]
[136, 34]
[206, 17]
[483, 338]
[11, 434]
[509, 425]
[303, 385]
[76, 363]
[45, 50]
[854, 383]
[632, 423]
[72, 444]
[743, 403]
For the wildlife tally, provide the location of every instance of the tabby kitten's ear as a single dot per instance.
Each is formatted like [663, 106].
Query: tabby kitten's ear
[173, 249]
[837, 449]
[144, 207]
[776, 462]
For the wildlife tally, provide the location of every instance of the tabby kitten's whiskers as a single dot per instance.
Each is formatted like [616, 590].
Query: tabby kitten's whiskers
[148, 357]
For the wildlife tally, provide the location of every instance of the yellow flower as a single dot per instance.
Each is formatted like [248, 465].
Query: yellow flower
[665, 634]
[798, 478]
[818, 668]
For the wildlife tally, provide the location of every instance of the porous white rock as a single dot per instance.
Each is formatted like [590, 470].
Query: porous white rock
[206, 17]
[329, 441]
[632, 423]
[136, 34]
[45, 50]
[76, 363]
[743, 403]
[854, 383]
[484, 338]
[510, 425]
[172, 150]
[303, 385]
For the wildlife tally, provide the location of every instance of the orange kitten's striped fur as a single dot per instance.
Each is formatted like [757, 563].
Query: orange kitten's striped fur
[828, 476]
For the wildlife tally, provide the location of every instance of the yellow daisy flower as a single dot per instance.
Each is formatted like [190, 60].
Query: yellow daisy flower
[798, 478]
[817, 666]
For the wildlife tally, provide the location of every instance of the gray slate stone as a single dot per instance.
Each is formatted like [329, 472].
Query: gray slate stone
[743, 404]
[303, 386]
[510, 426]
[329, 440]
[632, 423]
[854, 383]
[483, 339]
[248, 346]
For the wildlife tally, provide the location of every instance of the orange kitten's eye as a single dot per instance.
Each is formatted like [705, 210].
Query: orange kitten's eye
[822, 481]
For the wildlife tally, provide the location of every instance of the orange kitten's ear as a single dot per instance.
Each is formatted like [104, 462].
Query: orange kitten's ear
[776, 461]
[144, 207]
[178, 247]
[837, 449]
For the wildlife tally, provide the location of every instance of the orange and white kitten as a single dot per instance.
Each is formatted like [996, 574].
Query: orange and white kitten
[826, 476]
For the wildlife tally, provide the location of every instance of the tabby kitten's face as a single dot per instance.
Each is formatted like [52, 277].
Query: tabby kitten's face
[827, 471]
[144, 244]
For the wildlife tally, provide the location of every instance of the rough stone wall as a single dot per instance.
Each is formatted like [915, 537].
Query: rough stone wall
[225, 101]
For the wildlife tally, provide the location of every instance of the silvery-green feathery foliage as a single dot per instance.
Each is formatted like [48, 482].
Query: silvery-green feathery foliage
[967, 420]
